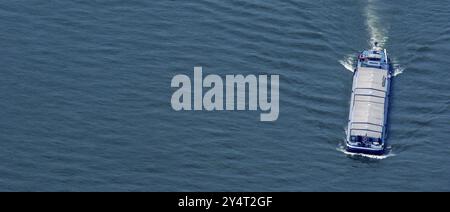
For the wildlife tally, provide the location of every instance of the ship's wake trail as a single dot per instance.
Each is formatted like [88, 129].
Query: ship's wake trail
[378, 33]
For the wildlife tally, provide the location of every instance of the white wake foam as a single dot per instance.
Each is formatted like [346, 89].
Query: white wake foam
[398, 69]
[378, 157]
[348, 62]
[378, 33]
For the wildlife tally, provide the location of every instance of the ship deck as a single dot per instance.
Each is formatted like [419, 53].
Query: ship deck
[367, 117]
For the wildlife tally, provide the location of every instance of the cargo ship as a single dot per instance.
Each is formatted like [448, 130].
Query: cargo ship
[369, 103]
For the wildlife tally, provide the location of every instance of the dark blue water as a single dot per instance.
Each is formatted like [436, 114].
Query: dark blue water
[85, 95]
